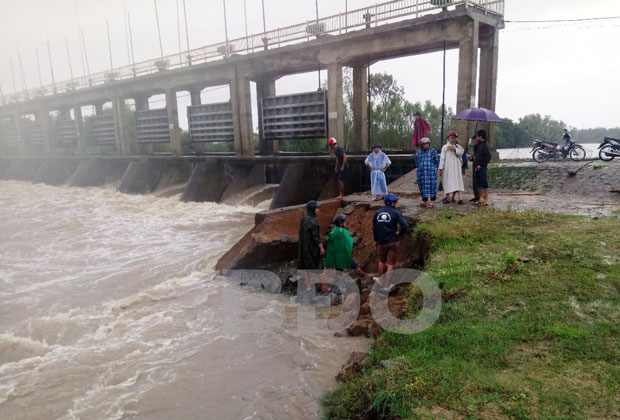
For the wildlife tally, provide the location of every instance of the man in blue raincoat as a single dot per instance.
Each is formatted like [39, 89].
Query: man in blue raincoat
[378, 162]
[427, 162]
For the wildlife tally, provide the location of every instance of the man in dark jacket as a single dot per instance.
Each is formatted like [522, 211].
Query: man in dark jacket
[385, 227]
[310, 248]
[481, 161]
[473, 142]
[342, 165]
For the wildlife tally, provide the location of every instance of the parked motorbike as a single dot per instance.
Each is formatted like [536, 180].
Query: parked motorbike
[543, 151]
[609, 149]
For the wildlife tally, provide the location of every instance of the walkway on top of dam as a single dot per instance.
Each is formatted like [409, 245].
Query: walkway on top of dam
[49, 120]
[291, 40]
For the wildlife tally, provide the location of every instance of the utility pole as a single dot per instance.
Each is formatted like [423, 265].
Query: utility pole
[49, 52]
[36, 51]
[245, 14]
[86, 56]
[318, 31]
[107, 24]
[161, 47]
[77, 21]
[69, 59]
[13, 77]
[126, 31]
[443, 100]
[265, 39]
[189, 56]
[179, 35]
[21, 71]
[133, 57]
[225, 27]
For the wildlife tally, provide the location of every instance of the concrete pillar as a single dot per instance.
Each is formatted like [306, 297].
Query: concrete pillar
[98, 109]
[173, 121]
[21, 140]
[64, 114]
[360, 109]
[487, 95]
[79, 129]
[195, 95]
[468, 76]
[43, 118]
[335, 102]
[142, 102]
[120, 124]
[241, 98]
[265, 88]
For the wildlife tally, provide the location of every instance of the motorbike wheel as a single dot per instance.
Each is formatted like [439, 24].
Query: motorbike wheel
[540, 156]
[577, 154]
[602, 154]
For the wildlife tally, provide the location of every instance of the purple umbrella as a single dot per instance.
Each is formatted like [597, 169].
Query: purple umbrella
[478, 114]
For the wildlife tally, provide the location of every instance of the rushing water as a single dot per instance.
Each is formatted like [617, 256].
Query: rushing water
[109, 309]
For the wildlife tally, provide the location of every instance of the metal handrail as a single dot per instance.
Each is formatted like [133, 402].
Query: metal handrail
[370, 16]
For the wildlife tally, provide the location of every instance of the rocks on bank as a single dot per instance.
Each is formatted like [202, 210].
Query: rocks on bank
[272, 245]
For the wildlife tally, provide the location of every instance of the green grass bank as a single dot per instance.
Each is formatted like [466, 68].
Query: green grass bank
[529, 328]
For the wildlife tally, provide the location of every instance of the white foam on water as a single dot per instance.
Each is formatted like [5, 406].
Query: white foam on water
[110, 310]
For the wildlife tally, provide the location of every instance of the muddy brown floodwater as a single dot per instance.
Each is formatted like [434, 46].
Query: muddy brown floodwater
[110, 310]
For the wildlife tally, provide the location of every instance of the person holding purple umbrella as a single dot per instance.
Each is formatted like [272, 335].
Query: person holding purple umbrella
[481, 161]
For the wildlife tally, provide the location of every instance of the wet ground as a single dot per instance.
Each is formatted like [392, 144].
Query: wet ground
[527, 185]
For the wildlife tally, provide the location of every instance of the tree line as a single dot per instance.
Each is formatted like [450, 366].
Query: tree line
[392, 116]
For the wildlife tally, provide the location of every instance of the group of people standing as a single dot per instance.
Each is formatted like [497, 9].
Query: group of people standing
[389, 225]
[336, 254]
[449, 167]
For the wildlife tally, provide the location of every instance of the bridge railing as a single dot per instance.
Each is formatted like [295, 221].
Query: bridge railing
[371, 16]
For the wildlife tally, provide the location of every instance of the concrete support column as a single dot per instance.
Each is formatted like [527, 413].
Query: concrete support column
[241, 98]
[98, 109]
[487, 95]
[21, 139]
[335, 102]
[468, 76]
[43, 118]
[79, 129]
[64, 114]
[195, 95]
[265, 88]
[142, 102]
[120, 124]
[173, 121]
[360, 109]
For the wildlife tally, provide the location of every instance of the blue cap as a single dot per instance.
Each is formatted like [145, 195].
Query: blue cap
[391, 198]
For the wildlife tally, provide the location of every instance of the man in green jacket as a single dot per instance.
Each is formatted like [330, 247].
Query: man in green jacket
[339, 246]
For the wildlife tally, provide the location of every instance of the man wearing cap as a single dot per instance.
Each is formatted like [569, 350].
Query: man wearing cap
[377, 163]
[450, 170]
[421, 128]
[388, 226]
[310, 248]
[342, 165]
[427, 163]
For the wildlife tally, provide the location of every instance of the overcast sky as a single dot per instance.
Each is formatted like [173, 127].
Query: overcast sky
[566, 70]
